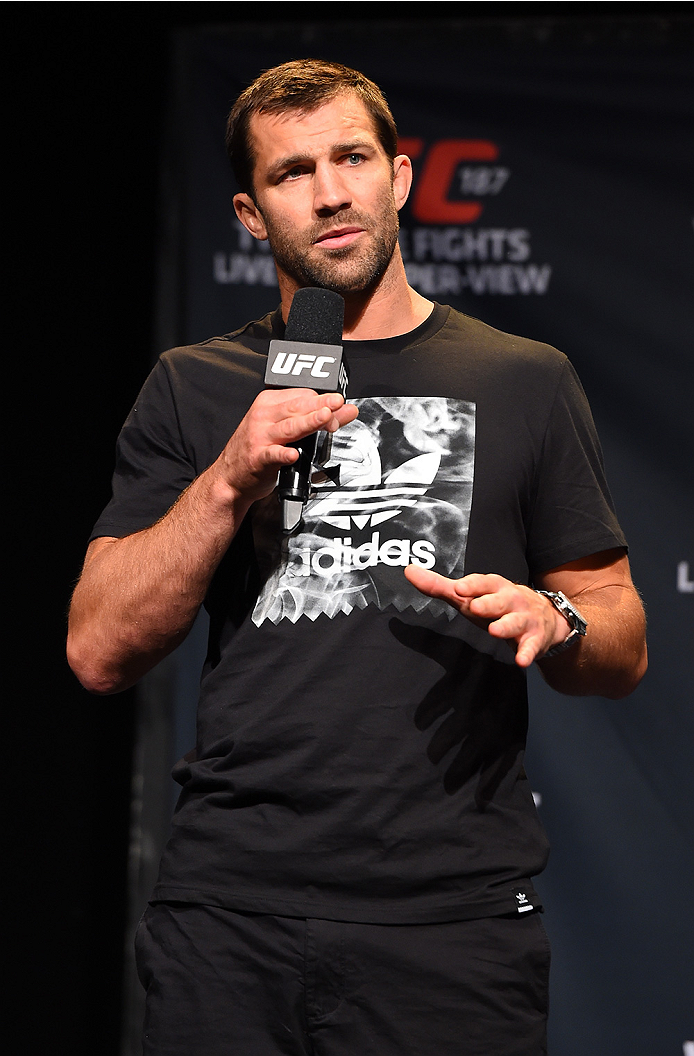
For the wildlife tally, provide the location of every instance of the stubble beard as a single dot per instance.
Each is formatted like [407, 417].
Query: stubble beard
[356, 268]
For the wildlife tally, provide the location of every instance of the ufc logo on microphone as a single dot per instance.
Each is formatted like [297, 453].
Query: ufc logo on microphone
[306, 364]
[291, 363]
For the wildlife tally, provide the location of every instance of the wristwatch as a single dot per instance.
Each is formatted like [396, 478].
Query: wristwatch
[572, 615]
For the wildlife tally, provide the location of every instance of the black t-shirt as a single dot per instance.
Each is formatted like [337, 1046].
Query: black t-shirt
[359, 746]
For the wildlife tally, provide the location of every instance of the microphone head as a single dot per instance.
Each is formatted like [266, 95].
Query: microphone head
[316, 316]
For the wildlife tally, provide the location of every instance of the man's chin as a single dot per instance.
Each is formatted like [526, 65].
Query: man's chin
[353, 269]
[342, 286]
[342, 274]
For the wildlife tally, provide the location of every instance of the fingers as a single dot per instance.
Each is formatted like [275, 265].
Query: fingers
[277, 455]
[527, 652]
[277, 418]
[432, 583]
[515, 613]
[524, 628]
[508, 610]
[290, 418]
[295, 425]
[478, 595]
[437, 586]
[477, 585]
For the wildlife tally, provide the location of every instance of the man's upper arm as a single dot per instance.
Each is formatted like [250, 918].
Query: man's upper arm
[97, 546]
[153, 464]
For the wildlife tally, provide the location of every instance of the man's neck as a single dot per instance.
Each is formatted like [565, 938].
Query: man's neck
[390, 309]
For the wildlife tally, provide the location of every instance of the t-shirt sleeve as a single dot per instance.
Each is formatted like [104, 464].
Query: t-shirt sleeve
[153, 465]
[573, 513]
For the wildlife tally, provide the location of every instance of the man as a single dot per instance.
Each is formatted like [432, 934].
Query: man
[349, 868]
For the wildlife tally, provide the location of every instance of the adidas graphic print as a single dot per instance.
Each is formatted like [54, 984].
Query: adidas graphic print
[390, 489]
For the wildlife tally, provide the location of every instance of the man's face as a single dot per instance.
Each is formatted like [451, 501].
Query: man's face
[326, 196]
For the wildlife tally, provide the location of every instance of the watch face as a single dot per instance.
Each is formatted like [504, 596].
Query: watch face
[562, 603]
[572, 614]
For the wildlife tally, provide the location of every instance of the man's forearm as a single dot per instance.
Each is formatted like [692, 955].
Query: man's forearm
[611, 659]
[138, 596]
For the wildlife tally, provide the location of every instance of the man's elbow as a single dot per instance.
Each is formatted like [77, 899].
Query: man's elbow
[629, 677]
[92, 672]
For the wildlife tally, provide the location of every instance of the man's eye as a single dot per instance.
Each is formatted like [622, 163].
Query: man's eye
[292, 174]
[355, 159]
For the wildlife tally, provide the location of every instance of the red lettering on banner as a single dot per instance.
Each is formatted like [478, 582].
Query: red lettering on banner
[431, 204]
[410, 145]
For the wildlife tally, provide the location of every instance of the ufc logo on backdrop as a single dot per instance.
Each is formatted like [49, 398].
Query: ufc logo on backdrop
[452, 168]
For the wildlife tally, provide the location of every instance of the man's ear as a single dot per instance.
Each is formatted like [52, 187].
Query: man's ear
[250, 216]
[402, 179]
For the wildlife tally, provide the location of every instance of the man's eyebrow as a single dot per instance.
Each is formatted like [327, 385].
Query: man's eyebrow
[352, 145]
[290, 160]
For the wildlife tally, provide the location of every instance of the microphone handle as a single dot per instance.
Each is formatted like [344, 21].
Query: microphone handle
[295, 480]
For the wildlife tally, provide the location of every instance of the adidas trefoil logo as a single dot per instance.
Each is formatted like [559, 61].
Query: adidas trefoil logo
[371, 500]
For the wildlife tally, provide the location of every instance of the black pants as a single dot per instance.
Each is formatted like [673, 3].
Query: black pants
[221, 983]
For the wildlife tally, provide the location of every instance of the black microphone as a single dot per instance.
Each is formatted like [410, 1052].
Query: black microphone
[310, 357]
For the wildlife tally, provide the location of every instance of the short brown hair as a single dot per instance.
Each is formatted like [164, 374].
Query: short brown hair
[302, 85]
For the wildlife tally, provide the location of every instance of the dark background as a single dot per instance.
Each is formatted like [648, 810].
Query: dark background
[86, 86]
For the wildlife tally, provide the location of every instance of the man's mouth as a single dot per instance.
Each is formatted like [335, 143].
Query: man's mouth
[338, 237]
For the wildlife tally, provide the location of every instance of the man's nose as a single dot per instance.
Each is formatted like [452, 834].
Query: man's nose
[330, 194]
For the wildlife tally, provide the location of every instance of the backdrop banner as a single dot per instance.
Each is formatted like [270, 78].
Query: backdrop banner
[552, 199]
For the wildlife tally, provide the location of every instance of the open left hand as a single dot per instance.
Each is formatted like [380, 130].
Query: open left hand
[507, 610]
